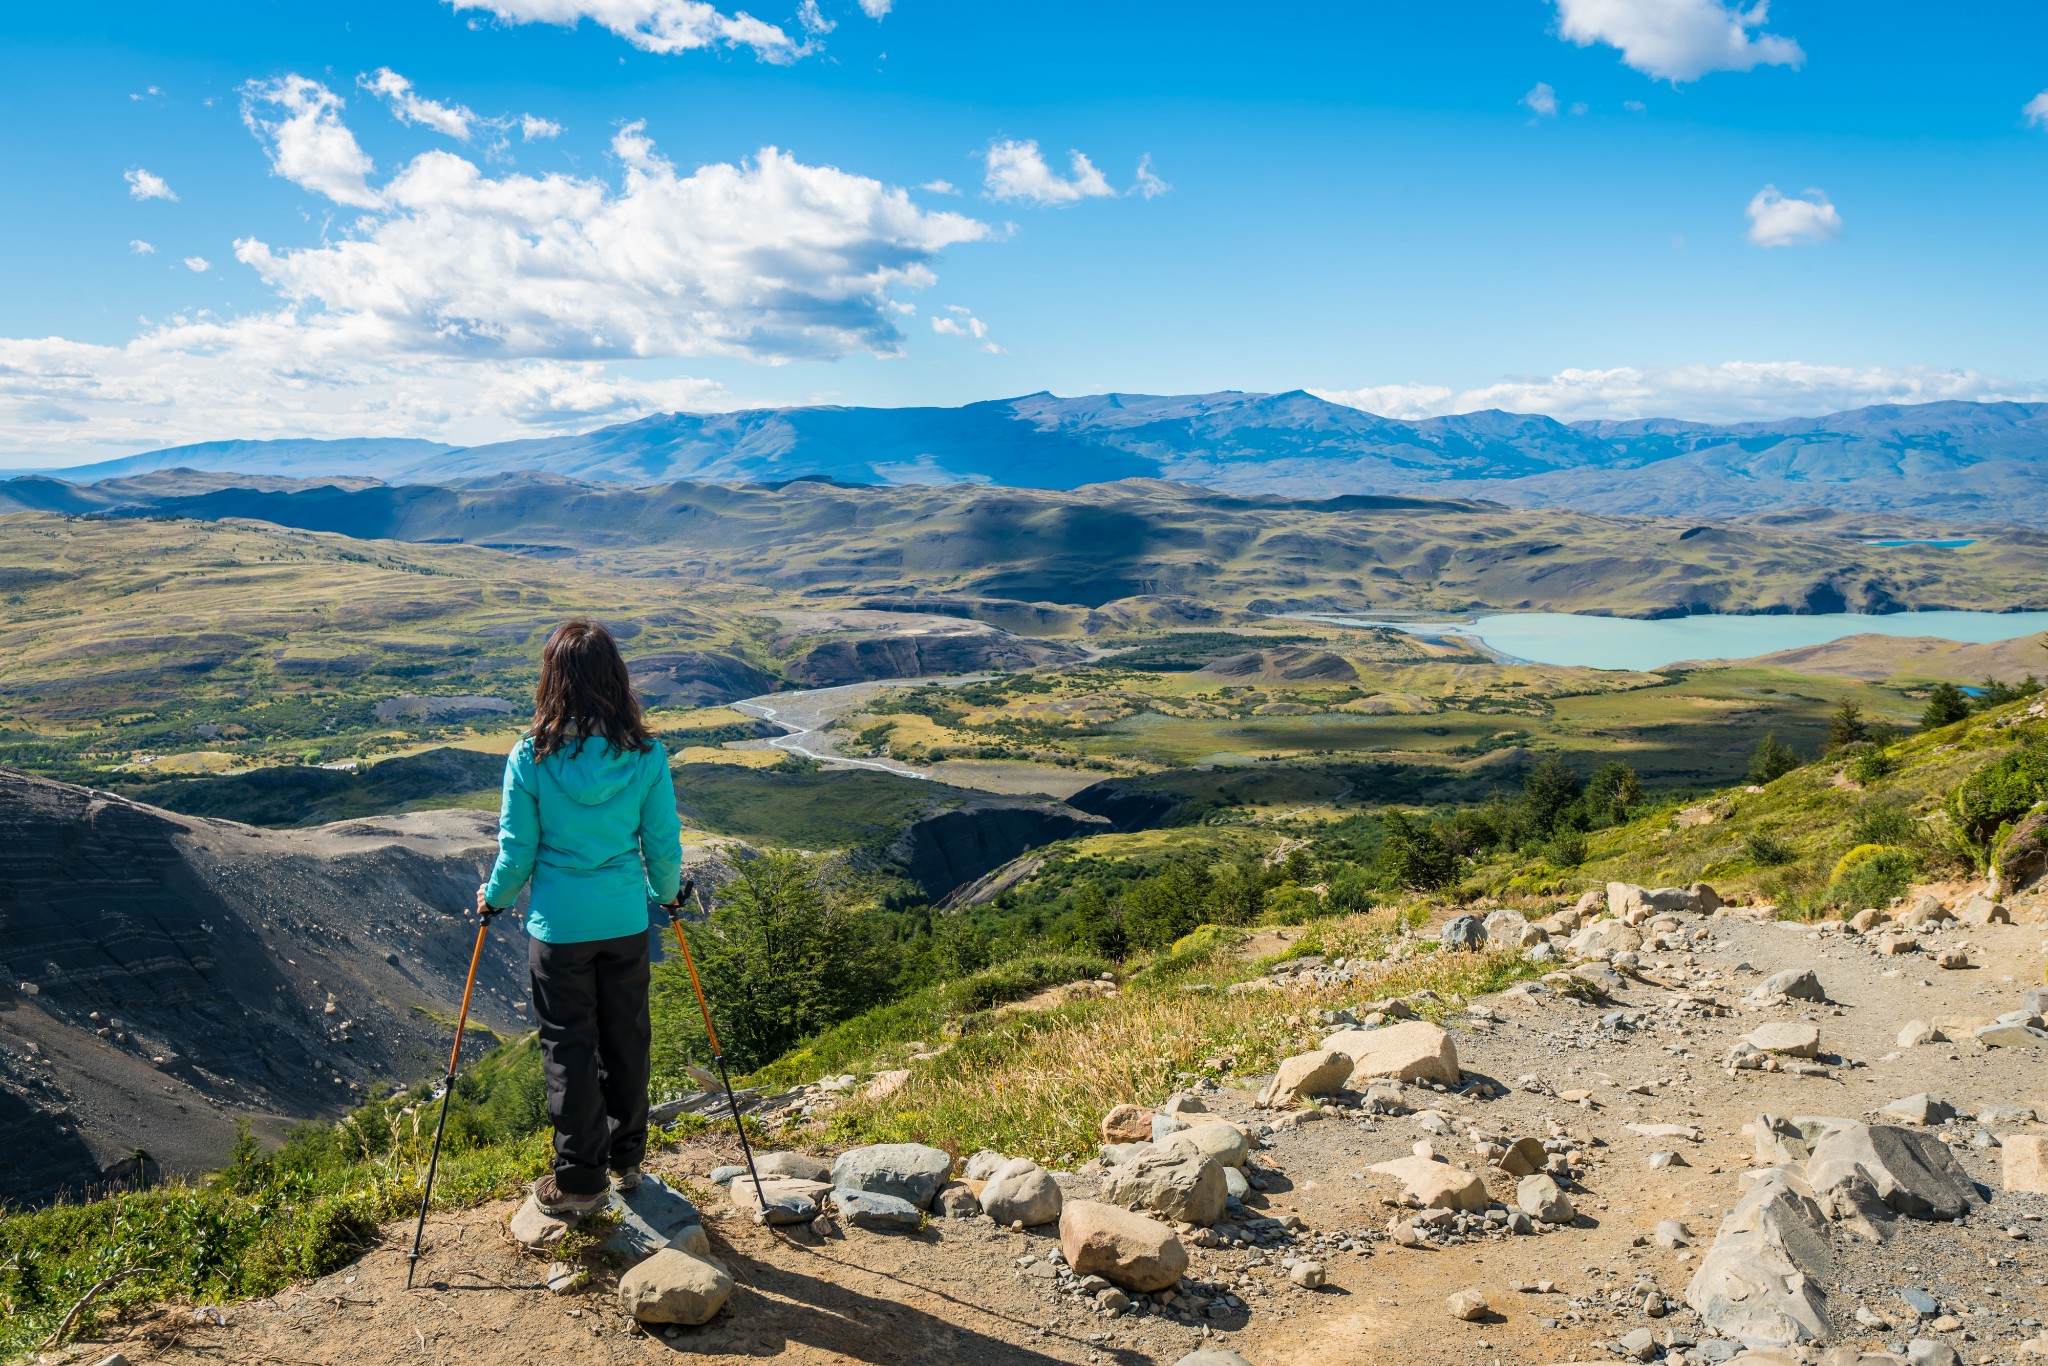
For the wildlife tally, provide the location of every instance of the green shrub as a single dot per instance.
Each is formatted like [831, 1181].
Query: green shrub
[1872, 765]
[1869, 875]
[2003, 791]
[1768, 851]
[1883, 823]
[1771, 760]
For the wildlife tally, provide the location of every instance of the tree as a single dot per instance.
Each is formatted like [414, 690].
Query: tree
[1419, 856]
[1095, 925]
[1771, 760]
[1846, 726]
[1550, 788]
[788, 951]
[1946, 705]
[1613, 791]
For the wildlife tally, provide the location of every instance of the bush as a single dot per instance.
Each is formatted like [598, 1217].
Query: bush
[1768, 851]
[1872, 765]
[1567, 848]
[1883, 823]
[1869, 875]
[2003, 791]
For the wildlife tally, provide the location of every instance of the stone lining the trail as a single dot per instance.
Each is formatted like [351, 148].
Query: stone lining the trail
[1183, 1185]
[1129, 1249]
[674, 1286]
[908, 1171]
[1413, 1050]
[1022, 1193]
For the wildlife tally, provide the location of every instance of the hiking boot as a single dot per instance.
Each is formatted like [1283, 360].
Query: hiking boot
[627, 1181]
[550, 1199]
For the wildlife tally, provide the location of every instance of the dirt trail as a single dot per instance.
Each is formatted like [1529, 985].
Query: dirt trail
[955, 1293]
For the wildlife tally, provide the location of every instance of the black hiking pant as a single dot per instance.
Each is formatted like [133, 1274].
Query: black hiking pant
[591, 1003]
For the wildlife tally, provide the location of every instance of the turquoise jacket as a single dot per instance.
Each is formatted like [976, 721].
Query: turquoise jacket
[595, 830]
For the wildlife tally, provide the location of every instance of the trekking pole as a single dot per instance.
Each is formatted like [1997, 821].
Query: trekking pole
[412, 1258]
[675, 918]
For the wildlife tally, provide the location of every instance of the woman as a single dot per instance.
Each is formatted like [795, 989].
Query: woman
[589, 816]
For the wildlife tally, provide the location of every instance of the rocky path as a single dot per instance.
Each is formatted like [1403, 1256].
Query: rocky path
[1626, 1100]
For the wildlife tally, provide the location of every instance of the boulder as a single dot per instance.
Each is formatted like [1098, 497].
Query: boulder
[1914, 1173]
[1917, 1032]
[1524, 1157]
[1919, 1109]
[1021, 1192]
[674, 1286]
[654, 1215]
[1604, 939]
[1127, 1124]
[1129, 1249]
[802, 1166]
[789, 1200]
[1793, 984]
[982, 1165]
[1165, 1124]
[2011, 1034]
[1868, 919]
[2026, 1162]
[1463, 932]
[957, 1200]
[908, 1171]
[1215, 1138]
[1177, 1183]
[1926, 909]
[1212, 1356]
[1429, 1184]
[1983, 910]
[1542, 1199]
[873, 1209]
[1760, 1283]
[1307, 1074]
[1468, 1305]
[1414, 1050]
[533, 1229]
[1505, 927]
[1786, 1038]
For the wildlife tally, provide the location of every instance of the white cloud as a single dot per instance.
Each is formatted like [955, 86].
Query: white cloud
[813, 19]
[1778, 221]
[1541, 100]
[309, 146]
[1017, 170]
[146, 185]
[198, 265]
[1679, 40]
[665, 26]
[408, 106]
[1578, 107]
[1735, 391]
[1148, 185]
[468, 306]
[940, 187]
[138, 247]
[149, 94]
[1634, 106]
[771, 260]
[2035, 111]
[532, 127]
[961, 322]
[877, 9]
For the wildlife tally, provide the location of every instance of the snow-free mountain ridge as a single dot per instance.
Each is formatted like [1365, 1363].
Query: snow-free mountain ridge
[1973, 462]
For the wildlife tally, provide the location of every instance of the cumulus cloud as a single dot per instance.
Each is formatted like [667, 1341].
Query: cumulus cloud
[138, 247]
[813, 19]
[146, 185]
[408, 106]
[1776, 220]
[1541, 100]
[665, 26]
[533, 128]
[1148, 185]
[198, 265]
[940, 187]
[1679, 40]
[1018, 171]
[876, 9]
[771, 260]
[1734, 391]
[961, 322]
[465, 305]
[2035, 111]
[299, 123]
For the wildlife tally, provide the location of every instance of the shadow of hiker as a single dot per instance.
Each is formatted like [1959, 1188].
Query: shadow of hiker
[776, 1306]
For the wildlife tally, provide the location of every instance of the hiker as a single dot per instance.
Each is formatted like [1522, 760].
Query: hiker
[589, 816]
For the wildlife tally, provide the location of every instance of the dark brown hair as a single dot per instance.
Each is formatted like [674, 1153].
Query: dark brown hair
[585, 691]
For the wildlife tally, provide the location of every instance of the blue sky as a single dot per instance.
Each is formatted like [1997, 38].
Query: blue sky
[274, 219]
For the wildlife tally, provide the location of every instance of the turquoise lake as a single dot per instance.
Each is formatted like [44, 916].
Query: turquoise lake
[1624, 643]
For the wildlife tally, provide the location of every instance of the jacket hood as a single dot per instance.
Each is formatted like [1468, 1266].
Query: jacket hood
[589, 771]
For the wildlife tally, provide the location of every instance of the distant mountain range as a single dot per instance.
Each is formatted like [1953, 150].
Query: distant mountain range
[1958, 462]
